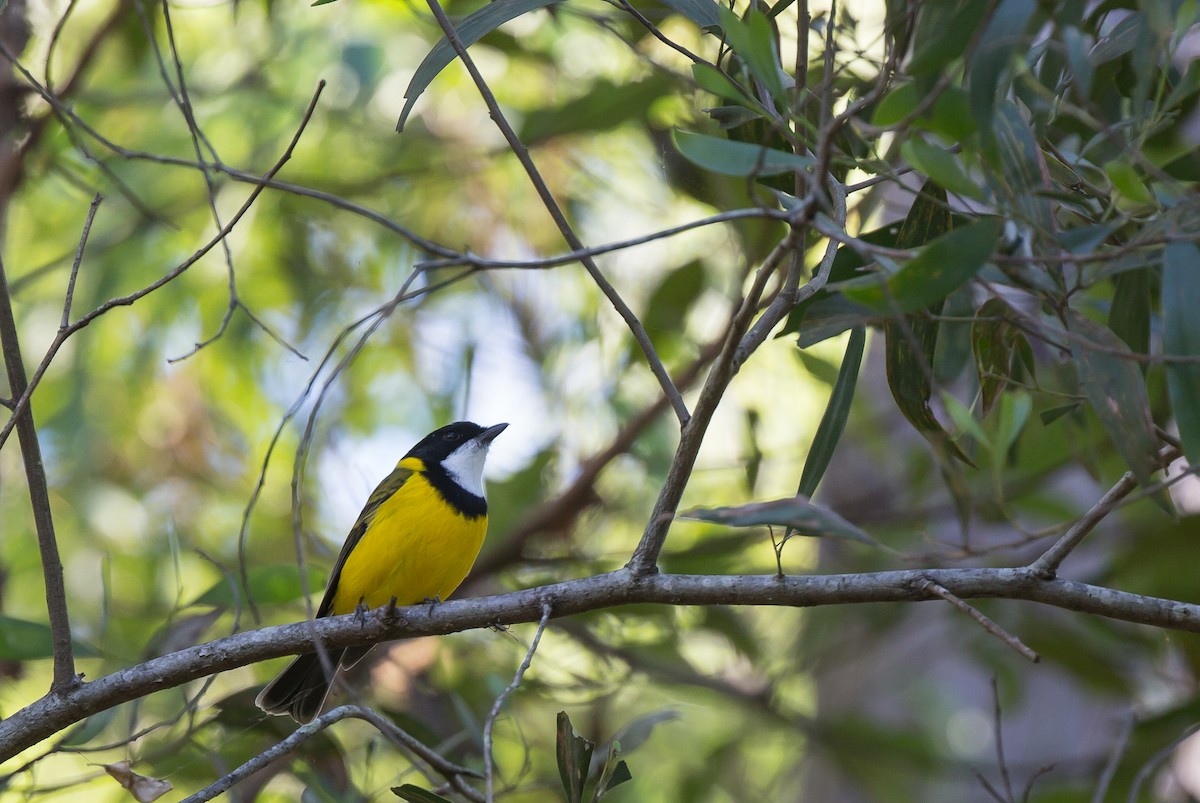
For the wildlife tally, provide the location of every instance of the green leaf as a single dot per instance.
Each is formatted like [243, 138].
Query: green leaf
[470, 30]
[574, 755]
[833, 422]
[732, 158]
[1015, 408]
[603, 107]
[620, 775]
[896, 105]
[753, 40]
[268, 585]
[415, 794]
[997, 45]
[89, 729]
[941, 267]
[794, 512]
[1017, 177]
[1052, 414]
[1117, 392]
[933, 48]
[960, 414]
[713, 80]
[941, 166]
[1181, 338]
[705, 13]
[995, 344]
[1077, 59]
[911, 341]
[22, 640]
[1129, 316]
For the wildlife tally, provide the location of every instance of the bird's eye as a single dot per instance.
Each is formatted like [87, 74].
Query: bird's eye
[451, 436]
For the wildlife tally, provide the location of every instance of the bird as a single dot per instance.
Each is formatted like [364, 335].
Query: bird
[414, 541]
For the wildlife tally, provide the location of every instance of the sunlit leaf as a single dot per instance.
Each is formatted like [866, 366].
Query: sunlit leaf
[415, 794]
[733, 158]
[1181, 338]
[794, 512]
[753, 41]
[470, 30]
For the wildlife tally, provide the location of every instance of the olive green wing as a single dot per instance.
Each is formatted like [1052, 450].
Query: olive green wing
[391, 483]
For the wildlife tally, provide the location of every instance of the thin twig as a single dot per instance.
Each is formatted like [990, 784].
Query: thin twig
[450, 771]
[981, 618]
[998, 741]
[83, 238]
[489, 764]
[1046, 566]
[1114, 758]
[535, 177]
[39, 496]
[126, 300]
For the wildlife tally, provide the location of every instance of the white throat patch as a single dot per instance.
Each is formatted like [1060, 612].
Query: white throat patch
[465, 466]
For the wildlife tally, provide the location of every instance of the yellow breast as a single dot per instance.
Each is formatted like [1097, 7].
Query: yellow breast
[417, 547]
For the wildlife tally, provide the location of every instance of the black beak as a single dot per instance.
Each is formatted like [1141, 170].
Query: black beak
[489, 434]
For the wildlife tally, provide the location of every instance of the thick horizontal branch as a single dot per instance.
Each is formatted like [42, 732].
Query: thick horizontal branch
[54, 712]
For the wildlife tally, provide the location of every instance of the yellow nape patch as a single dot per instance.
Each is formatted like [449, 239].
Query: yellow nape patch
[417, 547]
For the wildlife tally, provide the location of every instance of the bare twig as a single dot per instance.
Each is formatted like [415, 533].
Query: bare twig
[998, 741]
[126, 300]
[560, 220]
[39, 496]
[1047, 564]
[489, 765]
[645, 557]
[450, 771]
[983, 620]
[1114, 758]
[83, 238]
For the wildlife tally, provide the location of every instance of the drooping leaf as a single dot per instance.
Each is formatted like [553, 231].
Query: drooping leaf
[911, 341]
[794, 512]
[833, 422]
[574, 755]
[940, 268]
[1129, 316]
[1116, 391]
[990, 58]
[1181, 338]
[732, 158]
[470, 30]
[995, 344]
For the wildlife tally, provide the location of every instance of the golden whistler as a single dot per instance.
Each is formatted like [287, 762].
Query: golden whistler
[415, 540]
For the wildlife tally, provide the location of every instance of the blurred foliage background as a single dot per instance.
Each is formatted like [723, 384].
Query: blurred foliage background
[155, 447]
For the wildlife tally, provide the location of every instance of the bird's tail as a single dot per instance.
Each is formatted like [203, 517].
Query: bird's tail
[301, 689]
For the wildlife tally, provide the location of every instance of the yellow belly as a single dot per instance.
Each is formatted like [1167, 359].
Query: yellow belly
[416, 548]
